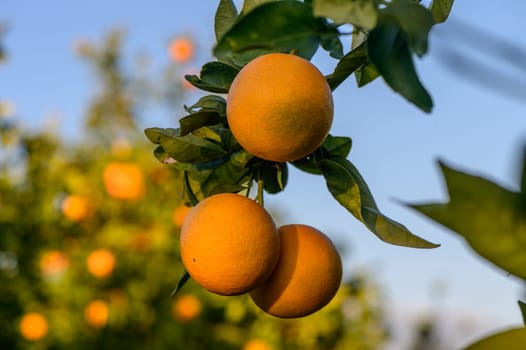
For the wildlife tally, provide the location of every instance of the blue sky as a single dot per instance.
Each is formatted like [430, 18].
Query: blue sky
[395, 146]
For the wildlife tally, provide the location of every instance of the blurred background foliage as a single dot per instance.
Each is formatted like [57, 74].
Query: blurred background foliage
[89, 250]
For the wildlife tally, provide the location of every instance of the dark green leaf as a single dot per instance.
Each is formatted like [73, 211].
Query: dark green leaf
[414, 19]
[275, 177]
[209, 103]
[240, 159]
[522, 307]
[225, 175]
[227, 188]
[333, 45]
[490, 218]
[189, 191]
[182, 281]
[348, 65]
[441, 10]
[350, 190]
[188, 148]
[366, 74]
[337, 146]
[214, 77]
[361, 13]
[197, 120]
[249, 5]
[226, 15]
[277, 26]
[308, 165]
[388, 49]
[162, 156]
[513, 339]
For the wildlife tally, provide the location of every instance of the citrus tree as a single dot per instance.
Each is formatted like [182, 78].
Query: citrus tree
[89, 238]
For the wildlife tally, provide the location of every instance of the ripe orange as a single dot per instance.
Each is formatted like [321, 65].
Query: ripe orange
[181, 49]
[179, 215]
[53, 262]
[100, 263]
[280, 107]
[75, 207]
[186, 308]
[96, 313]
[256, 344]
[308, 274]
[124, 180]
[229, 244]
[33, 326]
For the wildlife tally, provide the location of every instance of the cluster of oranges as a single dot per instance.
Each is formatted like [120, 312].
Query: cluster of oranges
[279, 108]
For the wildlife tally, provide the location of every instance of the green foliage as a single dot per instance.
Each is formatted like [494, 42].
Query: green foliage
[522, 306]
[513, 339]
[225, 17]
[214, 77]
[441, 9]
[489, 217]
[362, 13]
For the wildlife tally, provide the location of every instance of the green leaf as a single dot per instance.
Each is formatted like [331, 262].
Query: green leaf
[224, 176]
[490, 218]
[522, 306]
[348, 187]
[414, 19]
[307, 164]
[441, 10]
[337, 146]
[249, 5]
[277, 26]
[348, 65]
[388, 49]
[513, 339]
[197, 120]
[186, 149]
[182, 281]
[333, 45]
[366, 74]
[213, 103]
[227, 188]
[361, 13]
[275, 177]
[226, 15]
[214, 77]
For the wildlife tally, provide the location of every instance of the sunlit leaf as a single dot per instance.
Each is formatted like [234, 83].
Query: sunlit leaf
[513, 339]
[350, 190]
[214, 77]
[366, 74]
[348, 65]
[209, 103]
[277, 26]
[249, 5]
[441, 9]
[362, 13]
[197, 120]
[492, 219]
[388, 49]
[226, 15]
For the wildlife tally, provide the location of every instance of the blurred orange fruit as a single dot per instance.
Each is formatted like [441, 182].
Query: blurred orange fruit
[307, 276]
[181, 49]
[96, 313]
[256, 344]
[180, 214]
[100, 263]
[229, 244]
[291, 113]
[33, 326]
[53, 262]
[124, 180]
[75, 207]
[186, 308]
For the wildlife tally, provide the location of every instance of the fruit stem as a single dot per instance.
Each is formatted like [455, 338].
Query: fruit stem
[260, 188]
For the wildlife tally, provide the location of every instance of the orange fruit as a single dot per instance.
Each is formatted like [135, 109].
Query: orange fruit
[124, 180]
[181, 49]
[280, 107]
[179, 215]
[256, 344]
[100, 263]
[307, 276]
[186, 308]
[33, 326]
[53, 262]
[96, 313]
[229, 244]
[75, 207]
